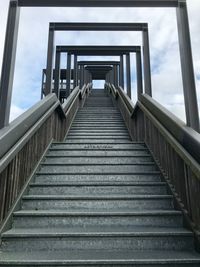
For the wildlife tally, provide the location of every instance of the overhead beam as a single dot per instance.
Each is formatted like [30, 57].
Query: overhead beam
[71, 26]
[98, 50]
[98, 3]
[94, 63]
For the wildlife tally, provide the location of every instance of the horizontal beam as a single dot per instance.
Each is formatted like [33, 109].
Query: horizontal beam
[63, 26]
[95, 63]
[98, 3]
[98, 50]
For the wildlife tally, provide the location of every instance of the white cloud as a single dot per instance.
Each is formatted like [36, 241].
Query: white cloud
[15, 112]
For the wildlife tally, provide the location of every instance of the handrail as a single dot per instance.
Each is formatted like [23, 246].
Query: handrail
[84, 90]
[11, 134]
[129, 103]
[186, 136]
[25, 140]
[66, 105]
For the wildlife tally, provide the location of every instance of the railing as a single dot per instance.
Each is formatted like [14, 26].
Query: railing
[26, 139]
[174, 146]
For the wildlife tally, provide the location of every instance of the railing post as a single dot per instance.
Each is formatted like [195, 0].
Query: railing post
[57, 75]
[121, 81]
[115, 75]
[128, 74]
[8, 66]
[49, 68]
[68, 85]
[190, 96]
[75, 71]
[43, 83]
[81, 75]
[147, 65]
[139, 74]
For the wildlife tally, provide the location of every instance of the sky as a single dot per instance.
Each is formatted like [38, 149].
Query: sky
[167, 86]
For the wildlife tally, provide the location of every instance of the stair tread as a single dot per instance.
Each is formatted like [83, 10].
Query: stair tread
[96, 197]
[93, 256]
[97, 230]
[95, 213]
[94, 183]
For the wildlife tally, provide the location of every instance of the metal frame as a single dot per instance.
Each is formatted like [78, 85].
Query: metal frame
[106, 51]
[190, 96]
[59, 26]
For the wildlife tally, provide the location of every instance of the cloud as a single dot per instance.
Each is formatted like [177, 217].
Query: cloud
[15, 112]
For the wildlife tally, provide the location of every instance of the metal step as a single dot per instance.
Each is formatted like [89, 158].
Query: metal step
[97, 203]
[93, 177]
[56, 152]
[97, 189]
[99, 160]
[137, 239]
[100, 258]
[52, 219]
[97, 169]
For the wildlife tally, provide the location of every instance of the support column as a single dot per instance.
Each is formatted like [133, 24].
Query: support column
[115, 75]
[147, 65]
[7, 74]
[81, 76]
[121, 82]
[189, 87]
[43, 83]
[128, 74]
[57, 75]
[68, 85]
[139, 74]
[75, 71]
[49, 68]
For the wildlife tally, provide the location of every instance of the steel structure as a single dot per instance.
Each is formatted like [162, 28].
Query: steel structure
[143, 27]
[190, 96]
[100, 51]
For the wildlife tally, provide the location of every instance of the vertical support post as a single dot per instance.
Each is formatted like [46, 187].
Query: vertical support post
[7, 74]
[57, 75]
[128, 74]
[69, 57]
[189, 87]
[121, 81]
[139, 74]
[147, 65]
[84, 76]
[81, 76]
[115, 75]
[42, 85]
[49, 68]
[75, 71]
[112, 76]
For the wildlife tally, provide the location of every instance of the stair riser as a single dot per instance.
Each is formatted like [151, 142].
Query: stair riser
[75, 243]
[99, 127]
[97, 169]
[98, 137]
[94, 177]
[97, 190]
[100, 146]
[87, 205]
[109, 263]
[88, 221]
[97, 153]
[101, 160]
[79, 142]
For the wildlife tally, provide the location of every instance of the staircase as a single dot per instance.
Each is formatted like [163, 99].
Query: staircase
[98, 199]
